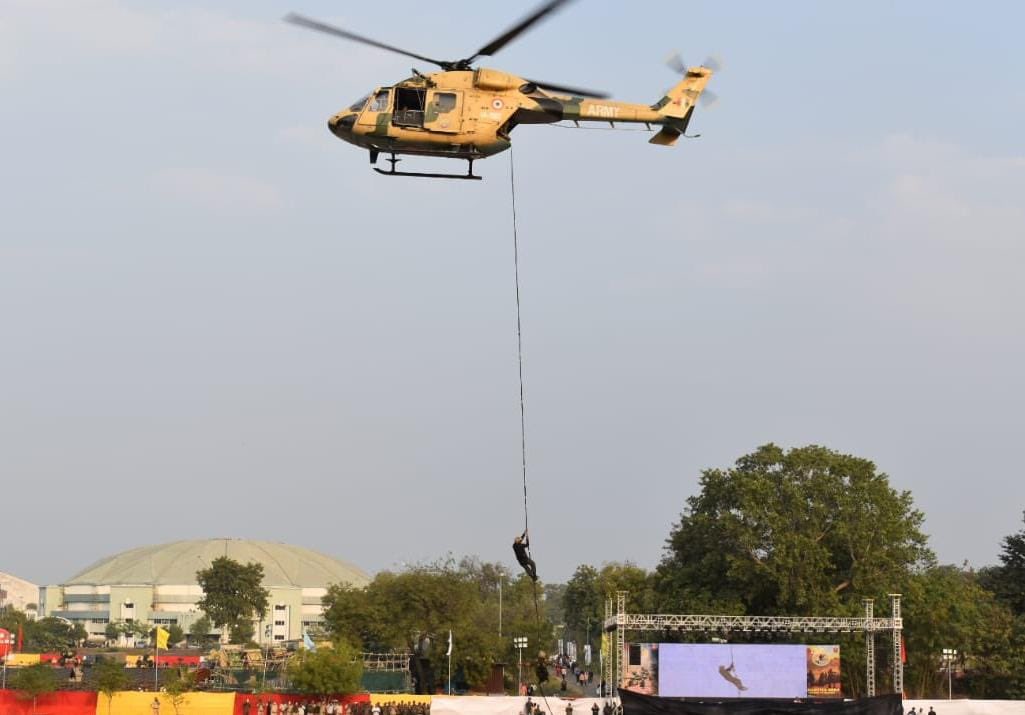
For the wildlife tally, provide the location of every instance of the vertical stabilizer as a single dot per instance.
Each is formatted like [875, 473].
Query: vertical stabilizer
[679, 100]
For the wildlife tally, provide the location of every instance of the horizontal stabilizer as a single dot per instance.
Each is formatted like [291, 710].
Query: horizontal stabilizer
[666, 137]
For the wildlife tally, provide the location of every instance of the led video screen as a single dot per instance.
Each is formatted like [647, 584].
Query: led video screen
[724, 670]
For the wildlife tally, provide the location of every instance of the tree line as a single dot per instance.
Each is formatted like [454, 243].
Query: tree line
[805, 531]
[800, 532]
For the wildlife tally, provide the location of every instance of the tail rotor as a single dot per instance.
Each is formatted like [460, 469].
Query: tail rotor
[676, 64]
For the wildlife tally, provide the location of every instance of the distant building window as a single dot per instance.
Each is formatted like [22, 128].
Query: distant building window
[280, 607]
[279, 638]
[279, 623]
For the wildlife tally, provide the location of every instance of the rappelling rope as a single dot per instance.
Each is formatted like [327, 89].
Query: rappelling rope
[519, 342]
[523, 411]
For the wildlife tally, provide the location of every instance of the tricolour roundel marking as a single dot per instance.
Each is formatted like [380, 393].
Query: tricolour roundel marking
[497, 104]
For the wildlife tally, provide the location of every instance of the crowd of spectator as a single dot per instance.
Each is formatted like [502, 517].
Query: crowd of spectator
[293, 707]
[390, 708]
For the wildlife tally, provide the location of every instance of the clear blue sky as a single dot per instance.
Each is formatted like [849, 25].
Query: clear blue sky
[218, 322]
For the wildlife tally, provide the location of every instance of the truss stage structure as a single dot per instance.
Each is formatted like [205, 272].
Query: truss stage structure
[618, 622]
[387, 662]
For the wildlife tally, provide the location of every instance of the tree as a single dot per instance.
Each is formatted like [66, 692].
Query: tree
[53, 634]
[587, 590]
[944, 607]
[177, 687]
[555, 602]
[583, 602]
[110, 677]
[200, 628]
[414, 610]
[33, 681]
[327, 671]
[175, 634]
[800, 532]
[233, 596]
[111, 632]
[1007, 581]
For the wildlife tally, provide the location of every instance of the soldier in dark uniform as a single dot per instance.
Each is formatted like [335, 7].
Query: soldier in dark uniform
[521, 547]
[541, 669]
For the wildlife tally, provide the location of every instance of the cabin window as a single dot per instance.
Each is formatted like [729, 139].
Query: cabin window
[380, 103]
[444, 102]
[409, 98]
[409, 107]
[359, 103]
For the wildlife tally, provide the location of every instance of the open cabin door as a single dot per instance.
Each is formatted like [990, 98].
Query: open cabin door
[444, 111]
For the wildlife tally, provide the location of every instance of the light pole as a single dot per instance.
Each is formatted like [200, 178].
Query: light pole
[520, 642]
[949, 655]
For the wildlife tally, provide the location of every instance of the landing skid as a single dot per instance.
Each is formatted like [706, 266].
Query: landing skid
[393, 160]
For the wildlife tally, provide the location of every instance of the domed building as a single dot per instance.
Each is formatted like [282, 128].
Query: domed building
[157, 585]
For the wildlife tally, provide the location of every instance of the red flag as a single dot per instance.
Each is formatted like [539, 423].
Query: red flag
[903, 650]
[21, 637]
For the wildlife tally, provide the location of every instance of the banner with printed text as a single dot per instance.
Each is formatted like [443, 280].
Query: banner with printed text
[824, 671]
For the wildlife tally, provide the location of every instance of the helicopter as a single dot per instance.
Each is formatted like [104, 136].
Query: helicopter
[467, 112]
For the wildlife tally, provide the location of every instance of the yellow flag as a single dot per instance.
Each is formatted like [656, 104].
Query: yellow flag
[162, 637]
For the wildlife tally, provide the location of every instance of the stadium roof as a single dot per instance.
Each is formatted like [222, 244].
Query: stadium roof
[284, 566]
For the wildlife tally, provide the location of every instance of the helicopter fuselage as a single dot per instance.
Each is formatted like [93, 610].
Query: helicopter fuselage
[469, 114]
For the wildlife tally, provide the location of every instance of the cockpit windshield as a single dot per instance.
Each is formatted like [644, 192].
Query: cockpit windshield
[380, 103]
[359, 103]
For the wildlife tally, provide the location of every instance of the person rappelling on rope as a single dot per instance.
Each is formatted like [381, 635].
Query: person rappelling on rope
[521, 547]
[730, 675]
[541, 669]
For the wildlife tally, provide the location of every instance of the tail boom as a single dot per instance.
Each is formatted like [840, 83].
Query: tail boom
[672, 112]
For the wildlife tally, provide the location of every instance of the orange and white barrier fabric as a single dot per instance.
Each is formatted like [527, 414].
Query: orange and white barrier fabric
[967, 707]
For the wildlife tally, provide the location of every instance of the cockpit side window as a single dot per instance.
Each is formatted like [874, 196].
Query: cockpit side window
[359, 103]
[380, 102]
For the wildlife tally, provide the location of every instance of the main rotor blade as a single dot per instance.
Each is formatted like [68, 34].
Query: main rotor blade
[312, 24]
[574, 91]
[516, 30]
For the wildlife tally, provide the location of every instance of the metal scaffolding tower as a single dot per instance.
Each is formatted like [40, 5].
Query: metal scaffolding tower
[387, 662]
[870, 652]
[898, 649]
[620, 637]
[607, 668]
[621, 621]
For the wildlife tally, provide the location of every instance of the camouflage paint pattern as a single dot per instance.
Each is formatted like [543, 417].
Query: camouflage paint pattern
[490, 104]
